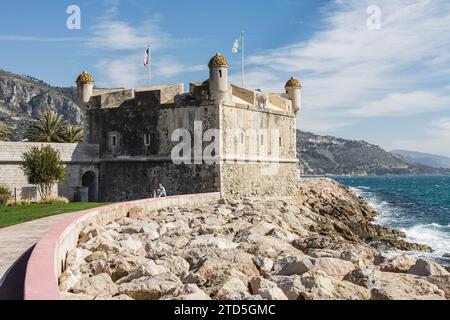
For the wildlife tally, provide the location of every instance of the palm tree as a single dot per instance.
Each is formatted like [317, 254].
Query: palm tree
[5, 133]
[72, 134]
[47, 128]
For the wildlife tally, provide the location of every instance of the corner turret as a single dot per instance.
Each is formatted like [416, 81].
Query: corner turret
[218, 78]
[85, 87]
[293, 90]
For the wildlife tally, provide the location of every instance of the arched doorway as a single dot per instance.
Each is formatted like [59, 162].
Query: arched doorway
[89, 181]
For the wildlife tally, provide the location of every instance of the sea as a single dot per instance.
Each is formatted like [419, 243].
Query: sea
[417, 205]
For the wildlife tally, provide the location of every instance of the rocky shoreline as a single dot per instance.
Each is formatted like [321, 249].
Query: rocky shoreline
[320, 243]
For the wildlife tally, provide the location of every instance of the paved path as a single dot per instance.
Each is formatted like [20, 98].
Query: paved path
[17, 240]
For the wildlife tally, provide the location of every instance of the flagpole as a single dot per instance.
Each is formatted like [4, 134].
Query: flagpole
[149, 66]
[242, 61]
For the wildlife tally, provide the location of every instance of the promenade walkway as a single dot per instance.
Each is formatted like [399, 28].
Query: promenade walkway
[16, 243]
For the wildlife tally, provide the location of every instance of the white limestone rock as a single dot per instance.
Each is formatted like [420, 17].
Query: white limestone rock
[427, 268]
[96, 285]
[151, 288]
[207, 241]
[233, 289]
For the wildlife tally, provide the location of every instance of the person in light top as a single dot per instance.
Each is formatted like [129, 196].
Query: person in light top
[160, 191]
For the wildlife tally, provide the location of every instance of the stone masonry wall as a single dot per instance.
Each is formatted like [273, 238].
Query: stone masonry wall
[131, 170]
[260, 173]
[77, 157]
[124, 181]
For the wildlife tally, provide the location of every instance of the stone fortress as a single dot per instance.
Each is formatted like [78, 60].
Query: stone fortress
[129, 140]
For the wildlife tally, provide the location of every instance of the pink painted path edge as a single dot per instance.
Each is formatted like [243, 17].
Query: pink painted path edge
[41, 282]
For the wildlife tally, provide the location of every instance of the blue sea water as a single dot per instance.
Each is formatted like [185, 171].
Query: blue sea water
[417, 205]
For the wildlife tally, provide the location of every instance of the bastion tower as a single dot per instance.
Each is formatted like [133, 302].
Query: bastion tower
[233, 140]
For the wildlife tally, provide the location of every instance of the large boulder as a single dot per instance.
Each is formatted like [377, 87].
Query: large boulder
[398, 286]
[118, 266]
[151, 288]
[442, 282]
[75, 257]
[320, 286]
[291, 286]
[398, 264]
[364, 277]
[96, 285]
[68, 279]
[187, 292]
[268, 290]
[208, 241]
[333, 267]
[294, 265]
[263, 264]
[233, 289]
[147, 269]
[176, 264]
[425, 268]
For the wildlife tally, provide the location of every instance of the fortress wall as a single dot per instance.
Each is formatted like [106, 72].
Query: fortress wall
[260, 172]
[131, 170]
[131, 124]
[78, 158]
[47, 261]
[131, 180]
[245, 118]
[259, 179]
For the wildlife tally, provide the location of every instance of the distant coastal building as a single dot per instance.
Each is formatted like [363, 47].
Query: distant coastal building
[136, 131]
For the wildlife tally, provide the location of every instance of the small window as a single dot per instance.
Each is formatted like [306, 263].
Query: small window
[262, 140]
[279, 140]
[147, 139]
[220, 73]
[113, 140]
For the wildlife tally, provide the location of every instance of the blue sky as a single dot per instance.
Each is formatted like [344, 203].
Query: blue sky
[389, 86]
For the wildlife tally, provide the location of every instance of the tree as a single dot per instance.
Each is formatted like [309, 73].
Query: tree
[5, 133]
[43, 167]
[47, 128]
[72, 134]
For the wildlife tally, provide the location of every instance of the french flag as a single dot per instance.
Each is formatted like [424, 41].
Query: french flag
[147, 57]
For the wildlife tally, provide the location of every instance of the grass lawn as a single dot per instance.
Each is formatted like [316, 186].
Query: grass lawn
[14, 215]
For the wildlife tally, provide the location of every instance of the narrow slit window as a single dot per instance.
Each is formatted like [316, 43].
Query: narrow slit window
[280, 142]
[262, 140]
[220, 73]
[147, 139]
[114, 140]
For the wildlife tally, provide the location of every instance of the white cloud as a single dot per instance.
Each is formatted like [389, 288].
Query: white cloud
[401, 104]
[347, 66]
[167, 67]
[120, 35]
[129, 72]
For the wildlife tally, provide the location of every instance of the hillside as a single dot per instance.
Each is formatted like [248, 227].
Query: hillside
[321, 155]
[427, 159]
[23, 98]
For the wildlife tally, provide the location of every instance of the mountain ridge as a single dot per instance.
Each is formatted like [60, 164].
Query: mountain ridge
[428, 159]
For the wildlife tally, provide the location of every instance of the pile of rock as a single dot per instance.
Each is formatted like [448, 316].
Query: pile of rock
[305, 247]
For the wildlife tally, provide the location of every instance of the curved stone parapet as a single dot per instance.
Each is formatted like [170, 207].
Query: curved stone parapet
[47, 261]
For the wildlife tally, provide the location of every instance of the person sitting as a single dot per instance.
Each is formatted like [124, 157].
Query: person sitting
[160, 191]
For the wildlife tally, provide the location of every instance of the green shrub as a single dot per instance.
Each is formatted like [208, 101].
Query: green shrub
[43, 167]
[54, 200]
[5, 195]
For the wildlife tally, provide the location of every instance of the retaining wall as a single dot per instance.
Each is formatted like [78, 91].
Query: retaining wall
[47, 261]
